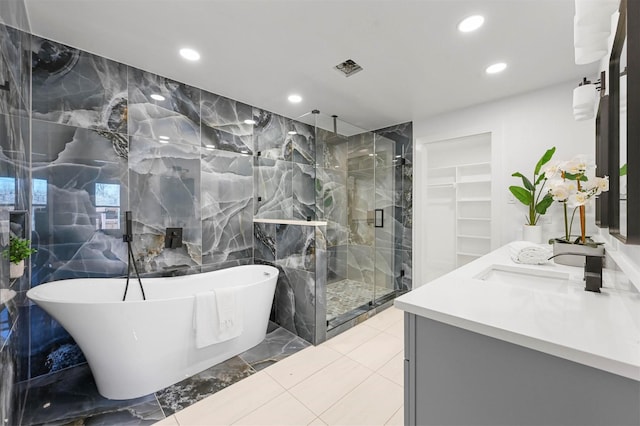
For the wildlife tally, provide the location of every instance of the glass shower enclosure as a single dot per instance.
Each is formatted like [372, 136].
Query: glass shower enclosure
[355, 186]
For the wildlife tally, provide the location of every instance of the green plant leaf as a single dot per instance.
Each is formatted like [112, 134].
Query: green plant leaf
[623, 170]
[526, 182]
[544, 160]
[544, 204]
[522, 195]
[540, 178]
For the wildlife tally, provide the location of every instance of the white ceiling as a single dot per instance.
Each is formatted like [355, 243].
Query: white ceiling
[416, 63]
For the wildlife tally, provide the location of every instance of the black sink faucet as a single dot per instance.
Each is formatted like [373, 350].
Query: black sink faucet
[592, 270]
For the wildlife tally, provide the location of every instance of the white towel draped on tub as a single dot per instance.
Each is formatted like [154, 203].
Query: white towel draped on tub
[529, 253]
[217, 317]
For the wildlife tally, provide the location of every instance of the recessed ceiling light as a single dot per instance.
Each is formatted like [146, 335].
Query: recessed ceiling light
[244, 151]
[164, 138]
[163, 141]
[157, 97]
[471, 23]
[210, 146]
[496, 68]
[249, 121]
[292, 132]
[295, 99]
[189, 54]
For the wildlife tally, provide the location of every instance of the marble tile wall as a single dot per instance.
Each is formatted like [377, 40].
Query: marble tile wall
[14, 194]
[299, 253]
[102, 145]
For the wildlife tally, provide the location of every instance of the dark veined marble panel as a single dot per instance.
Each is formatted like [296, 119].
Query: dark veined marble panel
[336, 263]
[227, 206]
[14, 162]
[172, 114]
[14, 45]
[223, 124]
[278, 344]
[195, 388]
[265, 242]
[294, 302]
[384, 270]
[14, 13]
[77, 88]
[361, 202]
[295, 247]
[331, 150]
[303, 191]
[273, 189]
[165, 192]
[70, 397]
[271, 135]
[303, 143]
[360, 152]
[331, 195]
[79, 193]
[361, 263]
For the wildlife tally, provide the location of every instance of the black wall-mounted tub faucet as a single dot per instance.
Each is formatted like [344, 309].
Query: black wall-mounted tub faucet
[592, 270]
[173, 238]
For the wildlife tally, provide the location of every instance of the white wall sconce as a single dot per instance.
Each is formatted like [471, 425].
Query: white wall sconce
[591, 29]
[585, 98]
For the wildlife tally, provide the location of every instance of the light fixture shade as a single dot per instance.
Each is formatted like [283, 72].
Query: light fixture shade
[588, 36]
[589, 55]
[592, 11]
[584, 96]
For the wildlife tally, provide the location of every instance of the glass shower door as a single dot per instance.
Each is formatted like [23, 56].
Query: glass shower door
[354, 194]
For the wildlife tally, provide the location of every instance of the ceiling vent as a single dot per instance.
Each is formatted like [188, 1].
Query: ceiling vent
[348, 68]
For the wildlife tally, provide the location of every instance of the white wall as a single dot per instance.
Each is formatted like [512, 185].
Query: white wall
[522, 127]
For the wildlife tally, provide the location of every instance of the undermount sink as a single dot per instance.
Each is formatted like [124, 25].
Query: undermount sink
[537, 279]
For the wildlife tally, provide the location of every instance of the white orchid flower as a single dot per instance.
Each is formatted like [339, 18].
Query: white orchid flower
[560, 190]
[578, 199]
[551, 169]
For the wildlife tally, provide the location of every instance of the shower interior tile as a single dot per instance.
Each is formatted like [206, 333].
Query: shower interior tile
[273, 188]
[302, 143]
[270, 135]
[304, 191]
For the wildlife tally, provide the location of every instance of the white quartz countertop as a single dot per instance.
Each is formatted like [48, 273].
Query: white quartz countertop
[601, 330]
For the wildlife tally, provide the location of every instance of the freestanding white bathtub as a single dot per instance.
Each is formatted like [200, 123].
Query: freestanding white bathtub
[137, 347]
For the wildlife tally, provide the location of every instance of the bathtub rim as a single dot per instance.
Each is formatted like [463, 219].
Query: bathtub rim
[33, 293]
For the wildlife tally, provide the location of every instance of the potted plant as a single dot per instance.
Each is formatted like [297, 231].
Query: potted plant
[19, 249]
[532, 195]
[570, 186]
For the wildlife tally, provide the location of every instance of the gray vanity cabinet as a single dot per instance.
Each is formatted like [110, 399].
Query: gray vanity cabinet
[457, 377]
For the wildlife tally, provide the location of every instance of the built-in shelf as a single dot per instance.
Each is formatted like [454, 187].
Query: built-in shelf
[292, 222]
[464, 253]
[477, 237]
[458, 181]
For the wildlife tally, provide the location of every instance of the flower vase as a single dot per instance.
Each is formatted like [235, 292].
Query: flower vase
[16, 270]
[532, 233]
[560, 247]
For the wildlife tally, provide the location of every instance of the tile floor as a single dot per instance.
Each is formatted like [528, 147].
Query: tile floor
[355, 378]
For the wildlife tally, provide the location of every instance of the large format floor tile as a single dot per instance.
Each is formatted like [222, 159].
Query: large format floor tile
[232, 403]
[351, 339]
[394, 369]
[327, 386]
[377, 351]
[280, 411]
[291, 371]
[373, 402]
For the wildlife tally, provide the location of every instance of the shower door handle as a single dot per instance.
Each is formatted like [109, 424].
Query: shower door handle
[379, 218]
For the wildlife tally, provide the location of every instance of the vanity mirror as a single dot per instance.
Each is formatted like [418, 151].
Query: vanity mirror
[624, 131]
